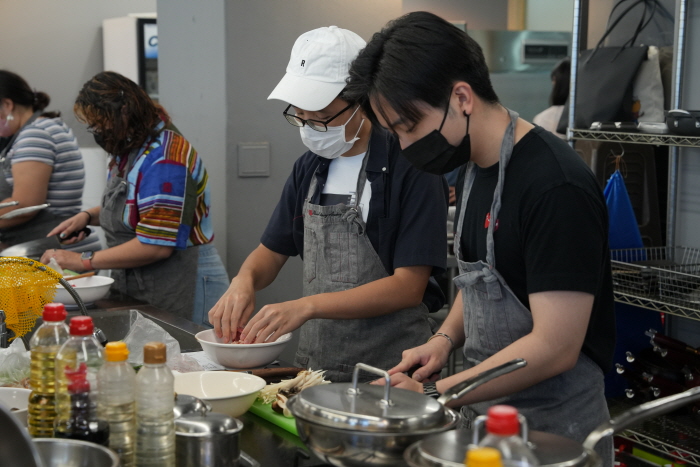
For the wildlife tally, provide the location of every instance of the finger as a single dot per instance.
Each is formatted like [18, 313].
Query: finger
[426, 371]
[405, 364]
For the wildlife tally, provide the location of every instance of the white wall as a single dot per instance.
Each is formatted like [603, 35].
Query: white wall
[539, 15]
[57, 46]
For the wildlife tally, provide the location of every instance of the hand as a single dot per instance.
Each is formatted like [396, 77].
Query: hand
[401, 380]
[453, 196]
[430, 358]
[233, 309]
[68, 226]
[66, 259]
[273, 321]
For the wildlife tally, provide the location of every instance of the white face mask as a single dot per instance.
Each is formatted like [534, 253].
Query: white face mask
[329, 144]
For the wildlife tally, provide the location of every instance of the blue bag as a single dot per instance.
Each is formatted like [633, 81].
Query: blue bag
[624, 230]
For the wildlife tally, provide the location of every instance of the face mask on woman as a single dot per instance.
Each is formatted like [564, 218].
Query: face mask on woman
[330, 144]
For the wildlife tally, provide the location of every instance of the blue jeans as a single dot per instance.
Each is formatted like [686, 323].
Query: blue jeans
[212, 282]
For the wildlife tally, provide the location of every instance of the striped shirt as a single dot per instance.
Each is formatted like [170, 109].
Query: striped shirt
[50, 141]
[168, 199]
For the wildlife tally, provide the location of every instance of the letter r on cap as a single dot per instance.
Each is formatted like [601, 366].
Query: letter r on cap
[302, 62]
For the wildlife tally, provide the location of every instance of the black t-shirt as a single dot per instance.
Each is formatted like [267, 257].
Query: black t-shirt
[407, 219]
[552, 231]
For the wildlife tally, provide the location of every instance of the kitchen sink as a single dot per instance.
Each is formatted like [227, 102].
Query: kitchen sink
[115, 323]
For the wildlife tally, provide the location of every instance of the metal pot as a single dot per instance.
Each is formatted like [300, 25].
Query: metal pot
[209, 440]
[449, 449]
[346, 425]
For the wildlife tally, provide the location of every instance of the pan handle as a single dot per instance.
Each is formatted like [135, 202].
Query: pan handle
[641, 413]
[354, 390]
[460, 389]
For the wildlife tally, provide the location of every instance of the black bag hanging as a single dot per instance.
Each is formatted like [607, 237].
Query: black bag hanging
[605, 75]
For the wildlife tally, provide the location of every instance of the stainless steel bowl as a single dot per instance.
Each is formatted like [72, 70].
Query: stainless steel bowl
[72, 453]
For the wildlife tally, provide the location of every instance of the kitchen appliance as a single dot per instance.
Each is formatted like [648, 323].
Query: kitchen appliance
[56, 452]
[449, 449]
[520, 63]
[130, 47]
[185, 404]
[347, 425]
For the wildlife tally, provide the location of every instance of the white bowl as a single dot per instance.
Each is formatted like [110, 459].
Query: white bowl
[241, 355]
[226, 391]
[16, 398]
[90, 289]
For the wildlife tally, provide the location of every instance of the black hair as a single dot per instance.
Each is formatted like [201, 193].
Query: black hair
[416, 59]
[15, 88]
[561, 74]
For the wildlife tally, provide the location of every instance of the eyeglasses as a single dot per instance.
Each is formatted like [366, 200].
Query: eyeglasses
[94, 130]
[313, 124]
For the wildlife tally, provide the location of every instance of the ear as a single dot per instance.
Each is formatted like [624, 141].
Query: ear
[465, 96]
[7, 104]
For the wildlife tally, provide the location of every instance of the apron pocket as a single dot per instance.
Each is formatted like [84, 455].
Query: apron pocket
[342, 250]
[310, 254]
[492, 321]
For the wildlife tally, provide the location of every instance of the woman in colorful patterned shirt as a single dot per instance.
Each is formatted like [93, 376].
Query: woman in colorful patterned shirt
[155, 210]
[40, 162]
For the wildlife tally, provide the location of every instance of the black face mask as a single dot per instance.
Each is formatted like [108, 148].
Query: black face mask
[100, 140]
[433, 154]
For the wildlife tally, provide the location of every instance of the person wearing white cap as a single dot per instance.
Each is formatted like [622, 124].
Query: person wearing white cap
[370, 228]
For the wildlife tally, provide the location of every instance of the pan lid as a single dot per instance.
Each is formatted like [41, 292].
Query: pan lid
[367, 407]
[211, 424]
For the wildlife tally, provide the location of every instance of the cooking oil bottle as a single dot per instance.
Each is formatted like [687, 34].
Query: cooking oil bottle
[81, 347]
[116, 383]
[155, 400]
[44, 344]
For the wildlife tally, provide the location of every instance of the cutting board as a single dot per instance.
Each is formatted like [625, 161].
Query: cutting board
[265, 411]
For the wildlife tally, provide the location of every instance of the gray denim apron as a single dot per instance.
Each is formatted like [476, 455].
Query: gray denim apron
[168, 284]
[339, 256]
[42, 222]
[571, 404]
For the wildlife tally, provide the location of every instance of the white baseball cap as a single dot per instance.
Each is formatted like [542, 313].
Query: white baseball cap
[318, 66]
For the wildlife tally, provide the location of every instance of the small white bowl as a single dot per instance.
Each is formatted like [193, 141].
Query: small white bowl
[90, 289]
[16, 398]
[241, 355]
[226, 392]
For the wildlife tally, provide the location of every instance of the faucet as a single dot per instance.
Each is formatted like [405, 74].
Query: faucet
[3, 331]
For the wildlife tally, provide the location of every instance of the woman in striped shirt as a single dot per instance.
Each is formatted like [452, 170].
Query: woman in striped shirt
[41, 163]
[155, 210]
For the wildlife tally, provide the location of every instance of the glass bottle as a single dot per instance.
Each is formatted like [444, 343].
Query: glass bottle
[81, 423]
[116, 382]
[81, 347]
[155, 399]
[44, 344]
[503, 433]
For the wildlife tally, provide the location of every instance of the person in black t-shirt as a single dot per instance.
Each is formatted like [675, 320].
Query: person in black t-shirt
[531, 232]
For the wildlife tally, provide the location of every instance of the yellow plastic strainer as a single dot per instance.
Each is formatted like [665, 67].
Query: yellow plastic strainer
[25, 287]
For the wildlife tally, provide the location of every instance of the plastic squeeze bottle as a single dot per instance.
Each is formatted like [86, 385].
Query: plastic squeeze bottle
[116, 382]
[155, 400]
[44, 344]
[81, 423]
[483, 457]
[81, 347]
[503, 433]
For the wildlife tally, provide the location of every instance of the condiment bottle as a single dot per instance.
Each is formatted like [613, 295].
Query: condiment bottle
[155, 400]
[503, 433]
[81, 347]
[81, 423]
[44, 344]
[483, 457]
[116, 381]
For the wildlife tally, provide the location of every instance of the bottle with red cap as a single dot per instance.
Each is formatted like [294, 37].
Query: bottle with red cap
[81, 347]
[44, 345]
[81, 423]
[503, 433]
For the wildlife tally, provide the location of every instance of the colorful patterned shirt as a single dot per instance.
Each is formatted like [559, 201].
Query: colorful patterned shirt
[168, 200]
